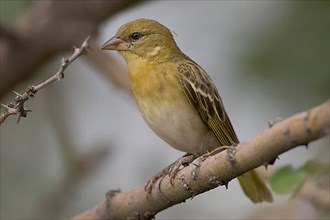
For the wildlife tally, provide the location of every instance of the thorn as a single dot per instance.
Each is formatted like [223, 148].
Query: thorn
[8, 107]
[23, 114]
[31, 91]
[226, 184]
[18, 97]
[272, 123]
[86, 40]
[25, 111]
[19, 118]
[64, 61]
[266, 165]
[60, 76]
[271, 162]
[112, 193]
[16, 93]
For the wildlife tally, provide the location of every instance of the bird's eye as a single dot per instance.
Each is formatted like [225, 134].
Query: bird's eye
[135, 36]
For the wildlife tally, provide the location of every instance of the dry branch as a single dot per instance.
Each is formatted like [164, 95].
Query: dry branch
[47, 29]
[20, 99]
[216, 170]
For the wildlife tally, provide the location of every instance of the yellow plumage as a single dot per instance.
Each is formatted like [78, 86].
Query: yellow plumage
[176, 97]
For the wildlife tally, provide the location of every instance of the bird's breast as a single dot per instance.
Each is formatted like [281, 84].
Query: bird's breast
[163, 105]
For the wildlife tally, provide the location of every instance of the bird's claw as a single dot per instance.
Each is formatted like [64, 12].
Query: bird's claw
[171, 171]
[151, 182]
[213, 152]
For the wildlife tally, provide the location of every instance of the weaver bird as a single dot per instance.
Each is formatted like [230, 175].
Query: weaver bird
[176, 97]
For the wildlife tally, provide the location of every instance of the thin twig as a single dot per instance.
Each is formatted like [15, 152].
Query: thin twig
[18, 108]
[37, 31]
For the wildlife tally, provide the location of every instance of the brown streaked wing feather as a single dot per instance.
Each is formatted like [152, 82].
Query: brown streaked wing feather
[203, 96]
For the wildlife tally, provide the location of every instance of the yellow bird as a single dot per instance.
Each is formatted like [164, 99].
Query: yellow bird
[176, 97]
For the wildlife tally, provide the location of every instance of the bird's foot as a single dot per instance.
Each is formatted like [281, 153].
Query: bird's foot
[171, 171]
[151, 182]
[213, 152]
[231, 151]
[194, 173]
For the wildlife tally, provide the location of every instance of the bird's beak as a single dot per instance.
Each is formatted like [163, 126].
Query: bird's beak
[115, 43]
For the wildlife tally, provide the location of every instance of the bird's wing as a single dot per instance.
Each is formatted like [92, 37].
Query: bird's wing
[203, 96]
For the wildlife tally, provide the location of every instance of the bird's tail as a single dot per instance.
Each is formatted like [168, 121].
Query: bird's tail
[254, 187]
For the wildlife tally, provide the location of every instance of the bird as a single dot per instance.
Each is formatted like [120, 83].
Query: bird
[177, 98]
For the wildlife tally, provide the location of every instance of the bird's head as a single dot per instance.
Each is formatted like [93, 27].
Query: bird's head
[144, 38]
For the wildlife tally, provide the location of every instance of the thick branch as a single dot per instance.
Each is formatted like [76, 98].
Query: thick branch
[20, 99]
[216, 170]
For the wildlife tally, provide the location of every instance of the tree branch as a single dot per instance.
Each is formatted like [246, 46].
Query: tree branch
[48, 28]
[20, 99]
[216, 170]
